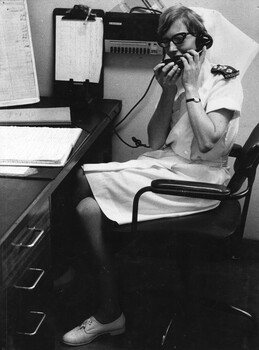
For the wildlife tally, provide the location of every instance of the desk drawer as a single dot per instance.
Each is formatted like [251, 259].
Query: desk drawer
[31, 303]
[27, 283]
[21, 247]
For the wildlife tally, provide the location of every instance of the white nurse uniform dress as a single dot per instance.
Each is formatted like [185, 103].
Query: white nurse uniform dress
[115, 184]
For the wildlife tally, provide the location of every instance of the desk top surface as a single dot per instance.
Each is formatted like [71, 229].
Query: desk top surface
[20, 195]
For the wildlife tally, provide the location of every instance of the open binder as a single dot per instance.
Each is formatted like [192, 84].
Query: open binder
[78, 57]
[36, 146]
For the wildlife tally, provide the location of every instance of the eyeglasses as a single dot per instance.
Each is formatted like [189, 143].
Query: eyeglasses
[177, 39]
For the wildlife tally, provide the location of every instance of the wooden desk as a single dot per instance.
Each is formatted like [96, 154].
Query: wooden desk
[25, 225]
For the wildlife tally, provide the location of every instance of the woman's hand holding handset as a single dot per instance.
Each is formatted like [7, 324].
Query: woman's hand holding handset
[192, 62]
[168, 72]
[167, 76]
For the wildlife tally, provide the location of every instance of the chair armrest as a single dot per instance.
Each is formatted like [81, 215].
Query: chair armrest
[236, 150]
[190, 189]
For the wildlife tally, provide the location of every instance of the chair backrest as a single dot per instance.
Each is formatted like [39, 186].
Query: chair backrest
[246, 163]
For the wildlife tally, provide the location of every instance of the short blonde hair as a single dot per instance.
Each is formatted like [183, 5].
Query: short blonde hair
[193, 21]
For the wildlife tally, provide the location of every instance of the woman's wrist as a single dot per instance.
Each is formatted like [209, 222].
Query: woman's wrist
[191, 93]
[169, 93]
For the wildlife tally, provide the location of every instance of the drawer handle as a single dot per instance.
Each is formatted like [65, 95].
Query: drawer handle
[33, 243]
[41, 273]
[38, 325]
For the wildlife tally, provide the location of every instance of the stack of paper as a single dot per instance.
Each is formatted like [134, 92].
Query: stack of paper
[36, 146]
[18, 78]
[35, 116]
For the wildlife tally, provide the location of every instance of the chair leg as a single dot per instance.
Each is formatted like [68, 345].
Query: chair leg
[180, 335]
[167, 330]
[221, 306]
[180, 339]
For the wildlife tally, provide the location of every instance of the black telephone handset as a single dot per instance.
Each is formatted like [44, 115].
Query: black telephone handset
[176, 59]
[202, 39]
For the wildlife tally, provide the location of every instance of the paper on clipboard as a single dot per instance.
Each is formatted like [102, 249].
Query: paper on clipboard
[79, 50]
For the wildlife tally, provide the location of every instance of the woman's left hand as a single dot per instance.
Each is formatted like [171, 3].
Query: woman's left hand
[192, 62]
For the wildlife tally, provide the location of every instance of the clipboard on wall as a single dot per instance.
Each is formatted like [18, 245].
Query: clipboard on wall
[78, 57]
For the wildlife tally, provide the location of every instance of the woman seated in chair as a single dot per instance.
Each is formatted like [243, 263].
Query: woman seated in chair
[191, 133]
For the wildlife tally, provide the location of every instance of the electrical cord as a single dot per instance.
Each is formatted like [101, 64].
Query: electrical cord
[138, 143]
[148, 6]
[136, 104]
[137, 8]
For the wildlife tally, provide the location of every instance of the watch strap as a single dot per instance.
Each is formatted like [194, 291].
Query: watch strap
[194, 99]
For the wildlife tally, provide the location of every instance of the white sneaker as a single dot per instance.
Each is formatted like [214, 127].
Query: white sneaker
[91, 329]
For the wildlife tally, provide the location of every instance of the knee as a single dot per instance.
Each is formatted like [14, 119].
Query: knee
[88, 208]
[81, 187]
[80, 178]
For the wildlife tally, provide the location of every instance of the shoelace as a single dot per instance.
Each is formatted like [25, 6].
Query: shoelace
[88, 322]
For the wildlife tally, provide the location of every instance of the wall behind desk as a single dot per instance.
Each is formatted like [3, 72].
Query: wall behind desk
[127, 77]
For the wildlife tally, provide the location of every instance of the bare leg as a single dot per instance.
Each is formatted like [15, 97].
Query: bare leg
[81, 188]
[91, 222]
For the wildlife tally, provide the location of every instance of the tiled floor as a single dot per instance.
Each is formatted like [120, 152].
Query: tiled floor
[152, 293]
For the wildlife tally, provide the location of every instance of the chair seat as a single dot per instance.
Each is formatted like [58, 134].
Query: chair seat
[213, 223]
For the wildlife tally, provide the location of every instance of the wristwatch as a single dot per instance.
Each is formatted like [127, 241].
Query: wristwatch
[194, 99]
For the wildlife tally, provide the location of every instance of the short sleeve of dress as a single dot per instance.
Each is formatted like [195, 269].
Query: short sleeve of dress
[225, 93]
